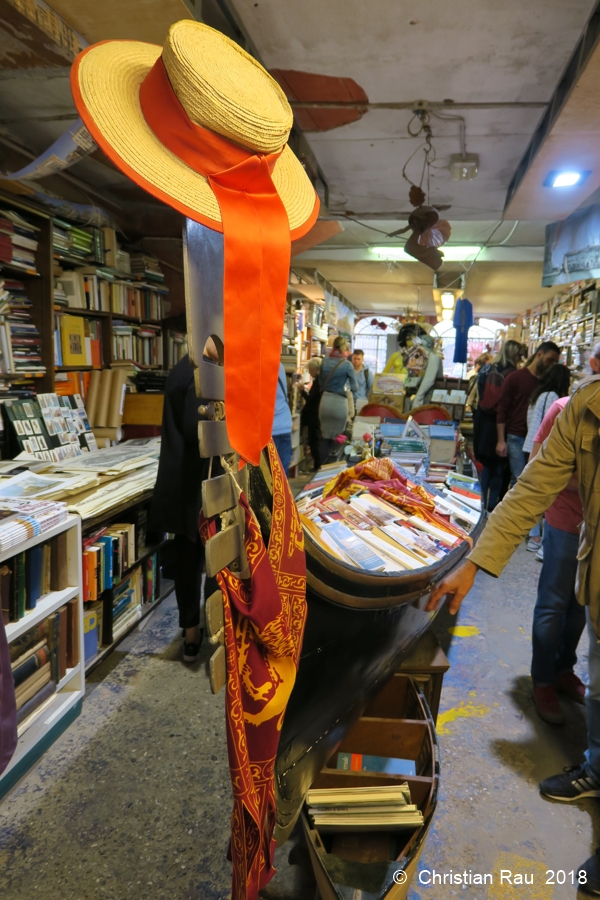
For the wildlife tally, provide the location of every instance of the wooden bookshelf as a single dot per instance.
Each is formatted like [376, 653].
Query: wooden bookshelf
[40, 290]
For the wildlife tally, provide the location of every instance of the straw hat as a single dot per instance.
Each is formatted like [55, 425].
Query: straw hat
[220, 87]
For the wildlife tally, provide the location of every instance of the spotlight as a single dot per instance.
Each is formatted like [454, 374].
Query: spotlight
[565, 179]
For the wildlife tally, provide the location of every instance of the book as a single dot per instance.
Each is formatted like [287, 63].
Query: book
[360, 762]
[354, 547]
[32, 685]
[72, 334]
[33, 575]
[32, 705]
[72, 651]
[24, 669]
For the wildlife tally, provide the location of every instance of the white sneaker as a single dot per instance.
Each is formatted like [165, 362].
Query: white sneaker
[533, 546]
[540, 554]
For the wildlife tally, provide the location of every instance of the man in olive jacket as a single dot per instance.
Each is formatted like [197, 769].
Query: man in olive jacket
[572, 446]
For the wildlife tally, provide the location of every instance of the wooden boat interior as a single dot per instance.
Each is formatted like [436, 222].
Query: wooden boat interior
[396, 723]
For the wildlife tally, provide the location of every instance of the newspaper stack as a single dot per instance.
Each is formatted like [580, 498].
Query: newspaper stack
[21, 520]
[113, 493]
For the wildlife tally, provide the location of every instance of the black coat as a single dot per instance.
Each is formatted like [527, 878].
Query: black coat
[177, 496]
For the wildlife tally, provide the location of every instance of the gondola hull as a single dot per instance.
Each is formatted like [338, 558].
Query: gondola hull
[359, 628]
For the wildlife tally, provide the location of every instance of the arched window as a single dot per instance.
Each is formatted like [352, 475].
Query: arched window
[481, 336]
[373, 340]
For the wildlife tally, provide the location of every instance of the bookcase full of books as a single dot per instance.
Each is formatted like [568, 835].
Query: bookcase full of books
[72, 300]
[40, 582]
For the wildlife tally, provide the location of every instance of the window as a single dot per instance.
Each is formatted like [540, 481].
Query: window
[374, 341]
[482, 335]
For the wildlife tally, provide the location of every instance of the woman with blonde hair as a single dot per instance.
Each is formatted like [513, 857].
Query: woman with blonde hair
[336, 372]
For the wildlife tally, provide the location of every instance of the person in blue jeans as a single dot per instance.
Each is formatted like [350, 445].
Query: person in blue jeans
[558, 619]
[511, 416]
[282, 422]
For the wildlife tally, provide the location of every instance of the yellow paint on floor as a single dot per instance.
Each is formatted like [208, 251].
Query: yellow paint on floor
[518, 873]
[463, 711]
[464, 631]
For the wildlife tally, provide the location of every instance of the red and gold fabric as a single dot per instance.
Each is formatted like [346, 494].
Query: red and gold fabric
[264, 624]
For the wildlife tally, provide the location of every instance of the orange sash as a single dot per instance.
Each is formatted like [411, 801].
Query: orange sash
[257, 258]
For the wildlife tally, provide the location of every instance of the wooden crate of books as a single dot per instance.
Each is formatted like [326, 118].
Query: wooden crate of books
[392, 745]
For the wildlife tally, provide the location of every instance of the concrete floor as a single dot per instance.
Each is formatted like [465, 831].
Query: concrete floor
[133, 801]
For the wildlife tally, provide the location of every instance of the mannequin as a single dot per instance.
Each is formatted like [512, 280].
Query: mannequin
[417, 360]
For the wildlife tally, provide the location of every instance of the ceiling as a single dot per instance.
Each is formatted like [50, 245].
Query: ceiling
[499, 63]
[508, 57]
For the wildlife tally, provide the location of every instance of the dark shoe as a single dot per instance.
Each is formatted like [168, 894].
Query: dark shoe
[568, 683]
[191, 652]
[574, 784]
[590, 871]
[547, 705]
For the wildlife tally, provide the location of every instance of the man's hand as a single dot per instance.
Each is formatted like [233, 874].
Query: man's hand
[502, 448]
[456, 585]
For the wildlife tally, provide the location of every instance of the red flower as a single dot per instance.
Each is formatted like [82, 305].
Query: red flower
[367, 437]
[341, 439]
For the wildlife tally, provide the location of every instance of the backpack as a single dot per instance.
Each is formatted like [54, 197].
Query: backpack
[492, 388]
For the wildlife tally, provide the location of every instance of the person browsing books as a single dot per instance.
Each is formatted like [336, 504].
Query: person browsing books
[511, 417]
[177, 498]
[336, 373]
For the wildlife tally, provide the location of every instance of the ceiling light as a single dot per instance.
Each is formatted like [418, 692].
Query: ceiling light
[464, 166]
[447, 300]
[452, 254]
[565, 178]
[446, 314]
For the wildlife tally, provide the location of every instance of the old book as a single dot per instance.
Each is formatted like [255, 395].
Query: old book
[62, 642]
[34, 661]
[33, 684]
[23, 644]
[5, 595]
[35, 702]
[361, 762]
[117, 398]
[72, 334]
[33, 575]
[59, 567]
[104, 398]
[72, 633]
[91, 402]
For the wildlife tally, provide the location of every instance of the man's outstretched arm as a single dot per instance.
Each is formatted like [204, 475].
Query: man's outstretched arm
[456, 585]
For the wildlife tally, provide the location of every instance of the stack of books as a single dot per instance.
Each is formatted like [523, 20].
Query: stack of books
[140, 343]
[31, 575]
[18, 241]
[379, 808]
[107, 554]
[22, 520]
[145, 266]
[69, 240]
[176, 347]
[20, 342]
[143, 301]
[84, 288]
[127, 604]
[41, 658]
[77, 341]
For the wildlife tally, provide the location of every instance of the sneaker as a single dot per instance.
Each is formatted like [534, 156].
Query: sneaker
[574, 784]
[590, 871]
[547, 705]
[540, 554]
[533, 546]
[191, 652]
[568, 683]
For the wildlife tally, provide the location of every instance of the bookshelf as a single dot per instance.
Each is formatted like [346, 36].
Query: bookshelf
[40, 288]
[131, 511]
[46, 723]
[571, 319]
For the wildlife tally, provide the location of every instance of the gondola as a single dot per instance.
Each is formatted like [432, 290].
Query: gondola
[359, 628]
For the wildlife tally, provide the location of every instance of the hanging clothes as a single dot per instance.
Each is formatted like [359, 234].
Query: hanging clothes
[463, 320]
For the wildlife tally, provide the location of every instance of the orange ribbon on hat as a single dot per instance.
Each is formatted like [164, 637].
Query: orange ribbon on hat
[257, 258]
